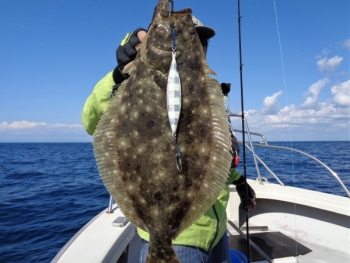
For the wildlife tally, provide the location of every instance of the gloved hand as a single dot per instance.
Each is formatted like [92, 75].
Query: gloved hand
[225, 87]
[242, 194]
[126, 52]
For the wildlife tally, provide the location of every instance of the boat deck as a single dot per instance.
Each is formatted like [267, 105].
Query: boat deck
[279, 247]
[289, 226]
[282, 249]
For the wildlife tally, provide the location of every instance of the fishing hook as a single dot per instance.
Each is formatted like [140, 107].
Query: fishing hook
[178, 155]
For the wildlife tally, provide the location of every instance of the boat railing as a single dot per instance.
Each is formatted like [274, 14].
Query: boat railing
[263, 143]
[110, 204]
[250, 146]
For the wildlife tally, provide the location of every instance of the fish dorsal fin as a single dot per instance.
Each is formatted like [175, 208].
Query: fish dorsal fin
[104, 142]
[220, 157]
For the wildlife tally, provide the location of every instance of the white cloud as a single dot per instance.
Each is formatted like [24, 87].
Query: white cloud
[26, 131]
[18, 125]
[26, 125]
[271, 104]
[346, 43]
[328, 66]
[313, 92]
[341, 93]
[313, 117]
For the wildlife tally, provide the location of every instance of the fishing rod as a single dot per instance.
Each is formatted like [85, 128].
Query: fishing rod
[243, 129]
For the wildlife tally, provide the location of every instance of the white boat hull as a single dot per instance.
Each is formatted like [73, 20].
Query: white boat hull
[319, 221]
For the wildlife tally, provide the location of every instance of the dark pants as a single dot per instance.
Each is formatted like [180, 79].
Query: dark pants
[187, 254]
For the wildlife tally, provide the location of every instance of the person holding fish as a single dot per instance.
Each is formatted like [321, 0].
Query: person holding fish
[206, 239]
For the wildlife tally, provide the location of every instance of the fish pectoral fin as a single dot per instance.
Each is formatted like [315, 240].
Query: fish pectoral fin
[128, 69]
[161, 81]
[206, 68]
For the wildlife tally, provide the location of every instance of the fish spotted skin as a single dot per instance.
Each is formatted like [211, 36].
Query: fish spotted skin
[133, 142]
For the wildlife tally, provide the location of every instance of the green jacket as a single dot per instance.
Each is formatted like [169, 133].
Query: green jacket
[210, 227]
[97, 103]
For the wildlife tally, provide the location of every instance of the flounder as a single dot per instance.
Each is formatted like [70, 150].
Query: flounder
[133, 142]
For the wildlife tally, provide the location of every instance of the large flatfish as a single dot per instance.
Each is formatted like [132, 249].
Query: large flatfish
[134, 146]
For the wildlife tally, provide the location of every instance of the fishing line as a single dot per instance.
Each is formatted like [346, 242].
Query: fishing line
[281, 53]
[282, 63]
[286, 96]
[243, 129]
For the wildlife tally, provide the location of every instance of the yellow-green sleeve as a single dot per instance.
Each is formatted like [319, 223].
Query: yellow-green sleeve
[234, 176]
[97, 103]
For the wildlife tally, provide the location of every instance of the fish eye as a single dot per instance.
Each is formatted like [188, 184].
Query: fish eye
[191, 30]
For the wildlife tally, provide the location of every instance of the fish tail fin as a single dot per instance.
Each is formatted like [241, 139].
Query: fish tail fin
[161, 250]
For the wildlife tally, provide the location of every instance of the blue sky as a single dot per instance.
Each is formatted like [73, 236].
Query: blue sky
[295, 75]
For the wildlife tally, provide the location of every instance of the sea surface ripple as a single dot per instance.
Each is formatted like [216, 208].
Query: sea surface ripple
[48, 191]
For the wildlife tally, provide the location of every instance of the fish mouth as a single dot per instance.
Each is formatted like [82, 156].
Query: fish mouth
[159, 53]
[165, 11]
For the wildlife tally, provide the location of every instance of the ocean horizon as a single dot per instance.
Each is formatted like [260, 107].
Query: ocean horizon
[240, 141]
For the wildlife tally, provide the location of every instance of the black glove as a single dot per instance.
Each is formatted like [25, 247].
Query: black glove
[126, 53]
[242, 194]
[225, 87]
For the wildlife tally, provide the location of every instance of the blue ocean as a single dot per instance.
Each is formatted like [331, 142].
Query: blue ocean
[48, 191]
